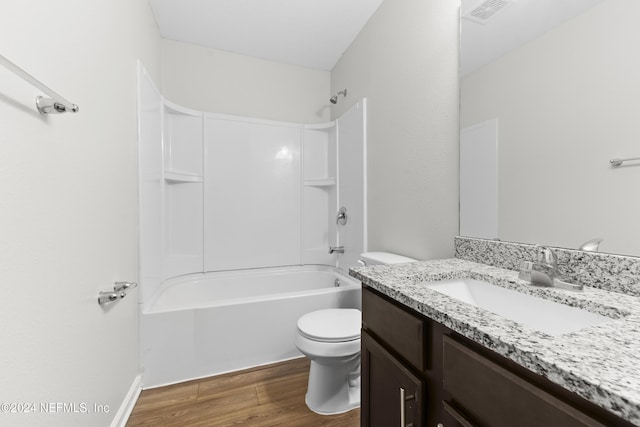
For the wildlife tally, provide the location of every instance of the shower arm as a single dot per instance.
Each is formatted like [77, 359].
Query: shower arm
[334, 98]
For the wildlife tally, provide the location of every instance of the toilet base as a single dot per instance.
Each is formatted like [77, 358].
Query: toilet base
[334, 386]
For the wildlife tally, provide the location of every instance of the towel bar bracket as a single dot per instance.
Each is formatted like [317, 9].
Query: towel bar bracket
[55, 104]
[50, 106]
[618, 162]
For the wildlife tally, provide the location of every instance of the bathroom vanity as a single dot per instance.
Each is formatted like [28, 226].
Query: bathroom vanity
[430, 360]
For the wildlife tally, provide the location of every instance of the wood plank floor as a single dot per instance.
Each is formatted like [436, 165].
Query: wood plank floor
[270, 395]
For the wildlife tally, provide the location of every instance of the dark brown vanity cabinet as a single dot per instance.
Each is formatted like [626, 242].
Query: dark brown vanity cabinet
[395, 382]
[416, 372]
[400, 400]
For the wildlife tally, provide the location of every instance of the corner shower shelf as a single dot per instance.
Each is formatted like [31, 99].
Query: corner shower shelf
[181, 177]
[324, 182]
[321, 126]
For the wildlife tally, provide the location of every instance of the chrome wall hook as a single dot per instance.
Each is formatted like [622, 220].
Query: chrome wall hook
[104, 297]
[124, 286]
[119, 291]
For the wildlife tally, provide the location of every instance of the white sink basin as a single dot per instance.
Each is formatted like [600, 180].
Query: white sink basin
[543, 315]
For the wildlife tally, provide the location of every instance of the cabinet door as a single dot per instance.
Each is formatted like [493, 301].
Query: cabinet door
[391, 394]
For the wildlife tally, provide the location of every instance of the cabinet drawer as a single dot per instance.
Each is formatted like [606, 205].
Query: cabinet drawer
[493, 396]
[402, 331]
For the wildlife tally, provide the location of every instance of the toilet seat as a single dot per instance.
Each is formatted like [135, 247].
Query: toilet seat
[331, 325]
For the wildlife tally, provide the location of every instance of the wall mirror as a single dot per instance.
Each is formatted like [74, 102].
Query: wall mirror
[550, 93]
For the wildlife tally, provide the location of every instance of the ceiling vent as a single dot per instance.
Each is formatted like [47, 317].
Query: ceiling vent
[487, 9]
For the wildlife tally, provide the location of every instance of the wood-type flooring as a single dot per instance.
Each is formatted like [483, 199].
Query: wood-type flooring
[270, 395]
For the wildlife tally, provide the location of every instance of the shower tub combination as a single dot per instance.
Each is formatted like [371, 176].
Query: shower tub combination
[206, 324]
[191, 181]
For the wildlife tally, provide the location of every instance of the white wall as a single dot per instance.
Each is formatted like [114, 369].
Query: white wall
[567, 102]
[68, 206]
[405, 61]
[221, 82]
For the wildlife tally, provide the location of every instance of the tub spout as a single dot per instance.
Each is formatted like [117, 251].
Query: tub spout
[338, 249]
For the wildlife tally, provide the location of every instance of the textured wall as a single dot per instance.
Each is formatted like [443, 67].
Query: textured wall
[68, 207]
[405, 61]
[221, 82]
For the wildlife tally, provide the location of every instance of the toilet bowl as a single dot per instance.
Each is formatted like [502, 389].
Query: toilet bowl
[330, 338]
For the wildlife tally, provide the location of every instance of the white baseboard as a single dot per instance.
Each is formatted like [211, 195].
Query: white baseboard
[122, 416]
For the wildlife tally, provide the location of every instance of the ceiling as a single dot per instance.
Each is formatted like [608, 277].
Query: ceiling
[315, 33]
[308, 33]
[513, 26]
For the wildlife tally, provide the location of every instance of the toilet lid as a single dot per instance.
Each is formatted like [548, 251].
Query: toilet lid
[331, 325]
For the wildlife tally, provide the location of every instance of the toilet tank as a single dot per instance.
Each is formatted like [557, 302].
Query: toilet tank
[381, 258]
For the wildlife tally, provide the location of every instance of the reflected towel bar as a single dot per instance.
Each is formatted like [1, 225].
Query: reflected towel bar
[55, 104]
[618, 162]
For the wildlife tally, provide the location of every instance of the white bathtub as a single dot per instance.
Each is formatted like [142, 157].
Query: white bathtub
[207, 324]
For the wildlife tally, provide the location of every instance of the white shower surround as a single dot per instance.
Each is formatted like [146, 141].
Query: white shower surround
[227, 197]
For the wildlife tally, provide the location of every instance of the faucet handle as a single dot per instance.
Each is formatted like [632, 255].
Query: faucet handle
[591, 245]
[547, 256]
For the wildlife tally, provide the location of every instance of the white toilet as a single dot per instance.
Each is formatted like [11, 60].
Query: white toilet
[331, 339]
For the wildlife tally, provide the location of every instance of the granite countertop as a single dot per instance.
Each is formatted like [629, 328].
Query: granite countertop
[600, 363]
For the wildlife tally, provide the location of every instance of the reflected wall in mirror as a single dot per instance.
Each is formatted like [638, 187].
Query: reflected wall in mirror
[566, 100]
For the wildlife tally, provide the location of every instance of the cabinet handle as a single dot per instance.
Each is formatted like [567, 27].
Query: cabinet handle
[403, 400]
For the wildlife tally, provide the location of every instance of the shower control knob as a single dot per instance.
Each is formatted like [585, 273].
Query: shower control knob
[341, 217]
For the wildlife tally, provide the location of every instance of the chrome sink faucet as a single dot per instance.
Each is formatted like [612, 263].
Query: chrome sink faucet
[544, 271]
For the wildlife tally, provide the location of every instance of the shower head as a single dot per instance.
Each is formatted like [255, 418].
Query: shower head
[334, 98]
